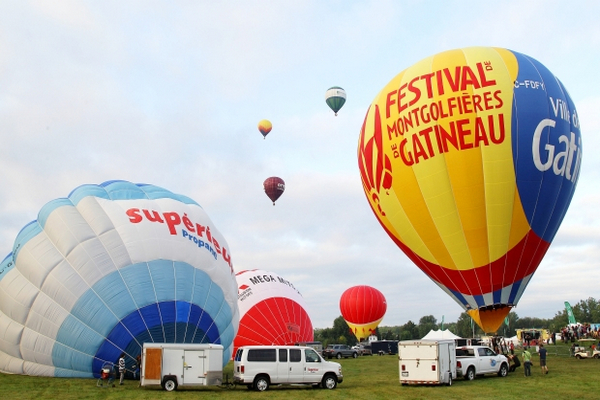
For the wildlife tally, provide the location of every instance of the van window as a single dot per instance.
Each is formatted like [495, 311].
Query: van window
[282, 355]
[311, 356]
[268, 355]
[295, 355]
[238, 355]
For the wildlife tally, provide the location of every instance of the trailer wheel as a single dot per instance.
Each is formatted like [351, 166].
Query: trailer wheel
[329, 382]
[449, 379]
[261, 383]
[170, 383]
[470, 375]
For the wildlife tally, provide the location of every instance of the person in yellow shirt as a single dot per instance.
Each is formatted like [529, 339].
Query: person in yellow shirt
[527, 362]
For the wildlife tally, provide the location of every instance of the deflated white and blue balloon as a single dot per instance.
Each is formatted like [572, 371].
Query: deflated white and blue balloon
[105, 270]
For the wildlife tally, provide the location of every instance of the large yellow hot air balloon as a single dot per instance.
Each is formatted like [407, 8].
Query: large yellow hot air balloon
[469, 159]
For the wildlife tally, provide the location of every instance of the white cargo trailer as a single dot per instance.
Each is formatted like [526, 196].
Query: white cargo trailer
[427, 362]
[181, 364]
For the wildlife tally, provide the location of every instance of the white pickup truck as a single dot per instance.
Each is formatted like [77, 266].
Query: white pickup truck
[479, 360]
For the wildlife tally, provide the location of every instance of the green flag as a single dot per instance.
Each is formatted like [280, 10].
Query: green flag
[506, 321]
[570, 313]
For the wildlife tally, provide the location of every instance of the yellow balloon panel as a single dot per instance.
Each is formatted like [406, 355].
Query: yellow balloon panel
[363, 331]
[442, 111]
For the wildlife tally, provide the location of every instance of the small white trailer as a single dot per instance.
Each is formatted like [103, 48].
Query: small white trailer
[427, 362]
[181, 364]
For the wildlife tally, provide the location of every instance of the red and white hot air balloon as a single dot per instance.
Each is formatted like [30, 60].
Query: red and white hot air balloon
[272, 311]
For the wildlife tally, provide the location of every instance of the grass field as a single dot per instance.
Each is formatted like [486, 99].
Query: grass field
[373, 377]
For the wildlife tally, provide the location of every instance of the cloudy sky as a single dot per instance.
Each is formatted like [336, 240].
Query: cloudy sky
[170, 93]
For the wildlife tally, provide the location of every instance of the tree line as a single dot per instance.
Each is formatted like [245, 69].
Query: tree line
[585, 311]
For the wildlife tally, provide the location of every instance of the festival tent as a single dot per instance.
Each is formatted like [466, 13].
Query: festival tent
[439, 334]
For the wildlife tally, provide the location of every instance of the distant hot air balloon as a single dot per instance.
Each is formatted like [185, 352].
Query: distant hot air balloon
[363, 308]
[272, 311]
[469, 159]
[265, 126]
[335, 97]
[274, 187]
[105, 270]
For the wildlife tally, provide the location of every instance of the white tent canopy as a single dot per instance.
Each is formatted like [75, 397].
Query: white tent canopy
[439, 334]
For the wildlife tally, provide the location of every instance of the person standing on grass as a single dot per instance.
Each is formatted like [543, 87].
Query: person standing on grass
[543, 352]
[121, 368]
[527, 362]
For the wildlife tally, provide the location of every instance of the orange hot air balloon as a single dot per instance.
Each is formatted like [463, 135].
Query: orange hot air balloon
[363, 308]
[265, 126]
[274, 187]
[469, 160]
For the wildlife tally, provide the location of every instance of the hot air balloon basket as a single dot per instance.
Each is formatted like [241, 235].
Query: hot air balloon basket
[107, 375]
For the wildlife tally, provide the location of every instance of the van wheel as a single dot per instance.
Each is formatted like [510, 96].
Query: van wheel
[470, 374]
[329, 382]
[261, 383]
[170, 384]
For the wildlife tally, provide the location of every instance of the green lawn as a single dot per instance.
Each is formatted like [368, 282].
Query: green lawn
[373, 377]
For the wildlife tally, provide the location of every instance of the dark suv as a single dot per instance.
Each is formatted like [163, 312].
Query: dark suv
[339, 351]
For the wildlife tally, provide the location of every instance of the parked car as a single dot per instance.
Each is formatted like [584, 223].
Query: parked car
[338, 351]
[363, 350]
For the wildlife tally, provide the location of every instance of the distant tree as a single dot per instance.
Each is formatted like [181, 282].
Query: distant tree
[463, 326]
[341, 328]
[559, 321]
[529, 322]
[409, 331]
[426, 324]
[451, 326]
[587, 311]
[512, 323]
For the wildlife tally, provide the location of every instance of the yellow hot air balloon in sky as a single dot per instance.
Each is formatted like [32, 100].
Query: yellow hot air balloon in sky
[265, 126]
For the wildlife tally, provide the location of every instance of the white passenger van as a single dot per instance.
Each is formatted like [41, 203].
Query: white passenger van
[258, 367]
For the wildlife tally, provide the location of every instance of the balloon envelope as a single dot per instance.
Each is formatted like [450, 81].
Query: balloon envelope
[105, 270]
[265, 126]
[469, 159]
[363, 308]
[272, 311]
[335, 97]
[274, 188]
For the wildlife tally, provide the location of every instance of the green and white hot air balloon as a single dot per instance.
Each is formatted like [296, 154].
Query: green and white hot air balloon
[335, 97]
